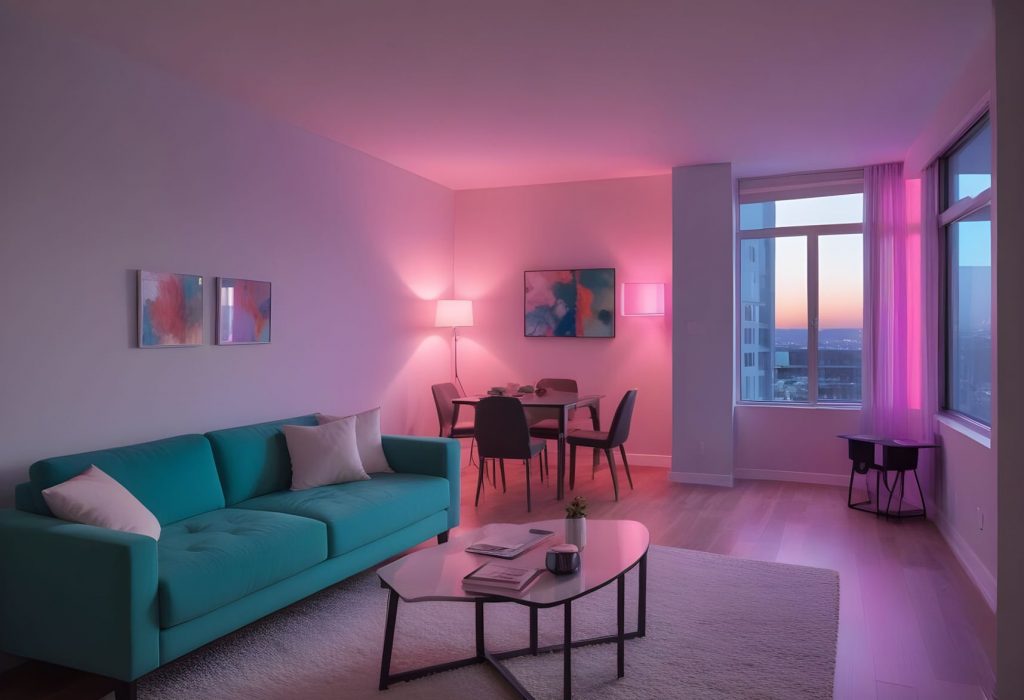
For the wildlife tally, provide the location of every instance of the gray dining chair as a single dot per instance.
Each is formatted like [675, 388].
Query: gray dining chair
[544, 421]
[502, 433]
[615, 436]
[444, 394]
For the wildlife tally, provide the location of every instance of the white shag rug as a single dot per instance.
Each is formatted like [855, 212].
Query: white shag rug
[717, 627]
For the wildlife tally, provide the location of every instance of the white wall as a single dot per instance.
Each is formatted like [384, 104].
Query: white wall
[794, 443]
[1009, 19]
[622, 223]
[109, 166]
[702, 338]
[964, 479]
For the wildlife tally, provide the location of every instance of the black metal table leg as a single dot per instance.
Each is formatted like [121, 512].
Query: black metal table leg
[389, 639]
[480, 629]
[533, 631]
[622, 626]
[641, 599]
[567, 654]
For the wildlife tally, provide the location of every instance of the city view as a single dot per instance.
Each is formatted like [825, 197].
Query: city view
[839, 365]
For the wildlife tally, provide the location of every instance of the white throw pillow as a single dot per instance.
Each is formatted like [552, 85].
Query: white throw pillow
[371, 447]
[324, 454]
[96, 498]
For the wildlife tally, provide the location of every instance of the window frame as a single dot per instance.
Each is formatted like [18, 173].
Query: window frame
[813, 234]
[949, 214]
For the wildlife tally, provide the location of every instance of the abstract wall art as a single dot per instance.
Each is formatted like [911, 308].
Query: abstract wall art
[170, 309]
[243, 311]
[570, 303]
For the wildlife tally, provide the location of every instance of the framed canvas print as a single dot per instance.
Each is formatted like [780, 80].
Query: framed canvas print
[243, 311]
[569, 303]
[170, 309]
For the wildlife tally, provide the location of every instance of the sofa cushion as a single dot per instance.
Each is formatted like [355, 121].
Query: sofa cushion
[218, 557]
[360, 512]
[174, 478]
[253, 460]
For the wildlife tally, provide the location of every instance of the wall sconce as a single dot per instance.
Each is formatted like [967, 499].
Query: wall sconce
[643, 299]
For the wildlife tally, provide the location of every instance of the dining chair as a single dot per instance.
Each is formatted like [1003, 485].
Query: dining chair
[444, 394]
[615, 436]
[502, 433]
[544, 421]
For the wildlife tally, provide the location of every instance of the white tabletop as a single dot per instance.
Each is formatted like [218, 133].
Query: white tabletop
[436, 573]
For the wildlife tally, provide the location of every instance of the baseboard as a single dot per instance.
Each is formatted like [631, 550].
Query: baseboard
[800, 477]
[701, 479]
[642, 460]
[976, 570]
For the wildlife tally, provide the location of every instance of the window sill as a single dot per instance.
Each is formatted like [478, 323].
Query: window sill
[973, 431]
[800, 406]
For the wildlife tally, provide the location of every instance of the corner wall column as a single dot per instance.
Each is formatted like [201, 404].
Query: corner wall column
[702, 323]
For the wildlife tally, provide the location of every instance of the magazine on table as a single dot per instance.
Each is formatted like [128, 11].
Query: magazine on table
[509, 543]
[500, 578]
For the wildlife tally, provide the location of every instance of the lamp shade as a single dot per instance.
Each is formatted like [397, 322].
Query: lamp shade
[453, 312]
[643, 299]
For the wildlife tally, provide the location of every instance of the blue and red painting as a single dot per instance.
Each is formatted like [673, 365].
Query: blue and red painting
[570, 303]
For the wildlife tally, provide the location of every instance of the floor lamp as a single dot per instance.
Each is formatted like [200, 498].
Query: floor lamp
[454, 314]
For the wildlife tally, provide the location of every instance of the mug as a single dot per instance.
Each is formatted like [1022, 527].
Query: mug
[562, 559]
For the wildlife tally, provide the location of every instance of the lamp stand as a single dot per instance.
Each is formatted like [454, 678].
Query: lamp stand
[455, 346]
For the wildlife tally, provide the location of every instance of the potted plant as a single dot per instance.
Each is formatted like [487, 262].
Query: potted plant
[576, 522]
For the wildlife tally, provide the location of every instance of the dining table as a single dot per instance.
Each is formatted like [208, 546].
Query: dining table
[563, 402]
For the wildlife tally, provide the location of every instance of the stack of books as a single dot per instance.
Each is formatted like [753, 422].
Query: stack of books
[500, 579]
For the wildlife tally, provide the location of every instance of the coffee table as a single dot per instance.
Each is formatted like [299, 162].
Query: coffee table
[614, 547]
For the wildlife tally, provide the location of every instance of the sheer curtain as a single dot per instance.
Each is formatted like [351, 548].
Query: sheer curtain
[901, 314]
[887, 332]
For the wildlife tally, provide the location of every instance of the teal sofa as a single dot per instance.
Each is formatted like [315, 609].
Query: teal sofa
[236, 545]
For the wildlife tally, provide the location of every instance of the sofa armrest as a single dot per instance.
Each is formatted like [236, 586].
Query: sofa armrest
[433, 456]
[78, 595]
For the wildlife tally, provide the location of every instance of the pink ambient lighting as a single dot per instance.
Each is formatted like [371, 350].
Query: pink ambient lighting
[643, 299]
[915, 320]
[452, 313]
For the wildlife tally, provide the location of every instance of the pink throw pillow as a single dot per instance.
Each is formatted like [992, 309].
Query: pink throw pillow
[95, 498]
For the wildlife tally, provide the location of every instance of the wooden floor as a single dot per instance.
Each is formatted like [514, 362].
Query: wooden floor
[912, 625]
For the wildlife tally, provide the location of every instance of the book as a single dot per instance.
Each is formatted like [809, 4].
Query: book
[509, 543]
[500, 578]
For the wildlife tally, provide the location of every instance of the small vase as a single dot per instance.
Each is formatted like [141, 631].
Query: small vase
[576, 531]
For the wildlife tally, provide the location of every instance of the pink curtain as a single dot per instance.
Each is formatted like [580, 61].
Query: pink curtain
[893, 333]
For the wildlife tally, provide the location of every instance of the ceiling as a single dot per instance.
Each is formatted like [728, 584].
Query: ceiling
[482, 93]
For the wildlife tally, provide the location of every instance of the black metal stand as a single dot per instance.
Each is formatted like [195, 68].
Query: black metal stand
[898, 458]
[495, 659]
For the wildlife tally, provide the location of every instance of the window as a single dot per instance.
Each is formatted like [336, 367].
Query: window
[966, 222]
[801, 265]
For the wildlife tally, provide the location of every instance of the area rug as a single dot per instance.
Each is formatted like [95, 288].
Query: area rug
[717, 627]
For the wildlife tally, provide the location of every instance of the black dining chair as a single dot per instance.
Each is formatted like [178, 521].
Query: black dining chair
[444, 394]
[615, 436]
[544, 421]
[502, 433]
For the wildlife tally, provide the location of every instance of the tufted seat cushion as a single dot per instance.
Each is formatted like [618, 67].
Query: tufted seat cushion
[213, 559]
[360, 512]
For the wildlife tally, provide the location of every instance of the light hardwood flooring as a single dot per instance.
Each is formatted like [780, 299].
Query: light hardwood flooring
[912, 625]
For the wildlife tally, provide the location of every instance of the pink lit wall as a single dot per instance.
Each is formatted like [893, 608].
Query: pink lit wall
[108, 166]
[625, 224]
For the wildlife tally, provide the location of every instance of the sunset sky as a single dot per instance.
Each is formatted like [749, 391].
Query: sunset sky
[840, 264]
